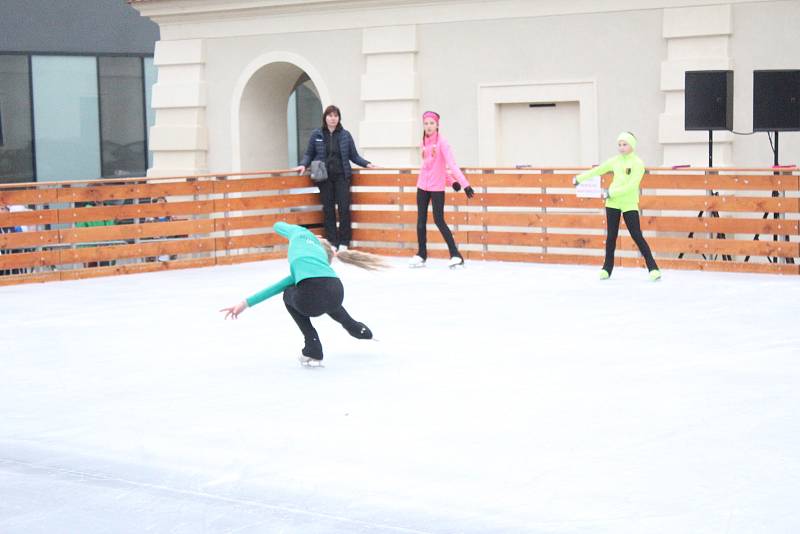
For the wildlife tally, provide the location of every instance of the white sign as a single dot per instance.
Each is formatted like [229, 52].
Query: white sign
[589, 189]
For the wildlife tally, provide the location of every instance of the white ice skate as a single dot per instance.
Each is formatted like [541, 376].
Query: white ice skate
[455, 261]
[416, 262]
[341, 248]
[305, 361]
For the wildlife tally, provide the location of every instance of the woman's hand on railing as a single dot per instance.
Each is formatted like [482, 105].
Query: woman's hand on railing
[300, 169]
[234, 311]
[372, 166]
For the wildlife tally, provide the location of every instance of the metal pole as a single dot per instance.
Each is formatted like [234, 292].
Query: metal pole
[711, 148]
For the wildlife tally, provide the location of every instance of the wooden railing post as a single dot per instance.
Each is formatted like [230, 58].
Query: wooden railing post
[227, 232]
[544, 212]
[401, 206]
[484, 213]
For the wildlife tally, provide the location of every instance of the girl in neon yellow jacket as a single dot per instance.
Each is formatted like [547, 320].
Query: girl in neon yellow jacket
[312, 287]
[622, 199]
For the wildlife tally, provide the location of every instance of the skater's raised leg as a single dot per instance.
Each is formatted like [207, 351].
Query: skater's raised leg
[354, 328]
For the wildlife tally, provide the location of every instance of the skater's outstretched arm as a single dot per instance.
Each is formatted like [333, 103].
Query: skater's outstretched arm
[271, 291]
[261, 296]
[234, 311]
[600, 170]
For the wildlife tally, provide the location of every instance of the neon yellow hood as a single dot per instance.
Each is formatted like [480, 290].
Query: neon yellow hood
[628, 138]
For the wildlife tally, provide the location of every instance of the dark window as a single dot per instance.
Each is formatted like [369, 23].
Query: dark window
[122, 116]
[16, 144]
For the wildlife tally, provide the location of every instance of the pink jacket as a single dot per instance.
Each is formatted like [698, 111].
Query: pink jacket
[439, 168]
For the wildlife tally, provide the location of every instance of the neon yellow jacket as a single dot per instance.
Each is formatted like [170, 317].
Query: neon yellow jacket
[623, 193]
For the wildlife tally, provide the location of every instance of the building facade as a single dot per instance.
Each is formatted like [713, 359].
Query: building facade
[517, 82]
[75, 84]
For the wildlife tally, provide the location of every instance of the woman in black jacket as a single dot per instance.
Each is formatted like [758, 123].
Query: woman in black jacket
[334, 145]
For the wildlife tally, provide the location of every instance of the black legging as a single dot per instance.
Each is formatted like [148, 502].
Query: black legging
[423, 199]
[313, 297]
[335, 194]
[632, 222]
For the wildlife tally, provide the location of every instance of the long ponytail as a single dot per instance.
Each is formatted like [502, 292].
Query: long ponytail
[362, 260]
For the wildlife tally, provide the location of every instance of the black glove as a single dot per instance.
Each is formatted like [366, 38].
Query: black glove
[456, 187]
[469, 191]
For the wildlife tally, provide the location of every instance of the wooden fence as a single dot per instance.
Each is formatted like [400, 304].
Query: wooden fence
[106, 227]
[745, 220]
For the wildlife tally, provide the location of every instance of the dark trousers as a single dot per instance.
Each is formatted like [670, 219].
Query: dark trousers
[632, 222]
[335, 194]
[437, 198]
[313, 297]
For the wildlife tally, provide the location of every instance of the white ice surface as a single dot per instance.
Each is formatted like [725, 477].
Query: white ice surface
[500, 398]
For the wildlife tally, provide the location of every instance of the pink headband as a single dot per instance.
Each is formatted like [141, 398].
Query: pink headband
[431, 115]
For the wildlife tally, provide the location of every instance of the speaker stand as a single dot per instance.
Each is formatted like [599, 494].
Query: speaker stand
[711, 148]
[776, 163]
[725, 257]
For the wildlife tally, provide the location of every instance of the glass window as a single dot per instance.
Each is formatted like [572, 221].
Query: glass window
[16, 138]
[122, 116]
[66, 117]
[150, 78]
[291, 123]
[309, 112]
[303, 116]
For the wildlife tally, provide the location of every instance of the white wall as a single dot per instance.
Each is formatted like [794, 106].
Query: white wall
[765, 36]
[620, 51]
[550, 136]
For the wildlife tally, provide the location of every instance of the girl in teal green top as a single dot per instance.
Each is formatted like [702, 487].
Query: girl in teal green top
[622, 198]
[312, 287]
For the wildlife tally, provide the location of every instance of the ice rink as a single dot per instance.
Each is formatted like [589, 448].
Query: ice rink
[500, 398]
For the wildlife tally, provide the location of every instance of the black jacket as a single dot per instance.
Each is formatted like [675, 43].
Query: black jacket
[347, 149]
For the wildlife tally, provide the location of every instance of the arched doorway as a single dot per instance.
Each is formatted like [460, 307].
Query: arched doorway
[278, 104]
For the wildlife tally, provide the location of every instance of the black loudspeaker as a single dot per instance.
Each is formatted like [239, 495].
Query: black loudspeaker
[776, 100]
[709, 100]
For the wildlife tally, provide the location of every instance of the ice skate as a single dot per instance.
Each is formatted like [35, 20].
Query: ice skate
[456, 261]
[416, 262]
[307, 361]
[311, 355]
[655, 275]
[604, 275]
[360, 331]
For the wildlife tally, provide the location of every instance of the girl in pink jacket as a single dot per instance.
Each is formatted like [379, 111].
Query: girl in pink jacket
[438, 171]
